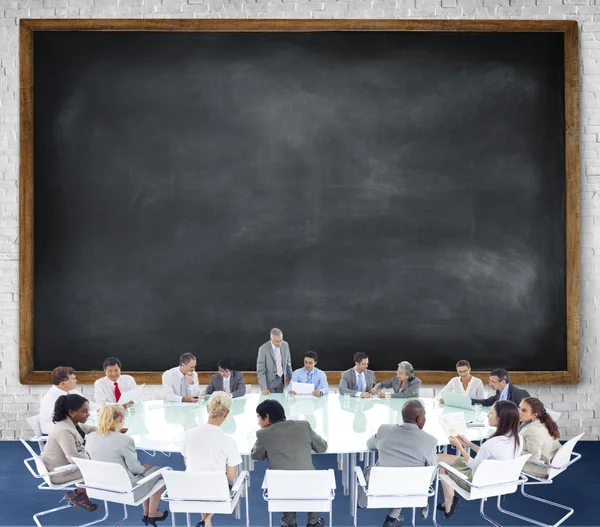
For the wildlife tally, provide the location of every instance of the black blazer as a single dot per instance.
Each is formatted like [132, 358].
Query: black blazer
[515, 394]
[236, 384]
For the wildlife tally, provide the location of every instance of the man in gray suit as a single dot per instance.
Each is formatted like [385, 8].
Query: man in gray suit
[359, 381]
[287, 445]
[227, 380]
[402, 445]
[273, 363]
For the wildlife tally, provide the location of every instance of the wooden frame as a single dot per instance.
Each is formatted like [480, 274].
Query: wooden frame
[26, 224]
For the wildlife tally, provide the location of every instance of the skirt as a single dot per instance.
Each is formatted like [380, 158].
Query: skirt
[140, 492]
[460, 465]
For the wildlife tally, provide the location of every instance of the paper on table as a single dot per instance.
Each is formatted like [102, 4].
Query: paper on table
[302, 388]
[135, 395]
[454, 424]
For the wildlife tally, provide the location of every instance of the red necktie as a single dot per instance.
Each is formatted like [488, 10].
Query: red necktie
[117, 392]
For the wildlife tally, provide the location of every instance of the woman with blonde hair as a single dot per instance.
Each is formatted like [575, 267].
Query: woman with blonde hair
[208, 448]
[110, 444]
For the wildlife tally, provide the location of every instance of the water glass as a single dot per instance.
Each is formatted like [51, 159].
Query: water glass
[477, 413]
[388, 395]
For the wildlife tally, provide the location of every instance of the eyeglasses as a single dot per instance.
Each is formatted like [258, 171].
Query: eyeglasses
[221, 370]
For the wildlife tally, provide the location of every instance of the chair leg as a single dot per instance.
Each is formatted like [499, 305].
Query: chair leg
[414, 517]
[331, 513]
[435, 498]
[124, 517]
[569, 510]
[247, 506]
[355, 504]
[172, 518]
[188, 519]
[486, 517]
[43, 513]
[351, 476]
[270, 519]
[101, 519]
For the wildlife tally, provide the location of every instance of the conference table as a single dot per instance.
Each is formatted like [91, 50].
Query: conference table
[345, 422]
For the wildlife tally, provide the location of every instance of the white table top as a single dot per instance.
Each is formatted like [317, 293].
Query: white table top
[346, 423]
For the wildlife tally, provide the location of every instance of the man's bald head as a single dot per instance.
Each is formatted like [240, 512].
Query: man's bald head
[414, 412]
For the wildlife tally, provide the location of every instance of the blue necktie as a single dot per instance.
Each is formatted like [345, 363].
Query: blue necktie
[310, 377]
[360, 382]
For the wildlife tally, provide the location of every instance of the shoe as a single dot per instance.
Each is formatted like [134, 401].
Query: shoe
[152, 521]
[70, 496]
[320, 523]
[283, 523]
[200, 523]
[83, 501]
[440, 507]
[393, 522]
[453, 509]
[425, 512]
[145, 519]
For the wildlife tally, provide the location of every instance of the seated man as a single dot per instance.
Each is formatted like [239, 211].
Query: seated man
[403, 445]
[108, 389]
[180, 384]
[465, 383]
[505, 391]
[287, 445]
[227, 380]
[63, 383]
[359, 381]
[311, 375]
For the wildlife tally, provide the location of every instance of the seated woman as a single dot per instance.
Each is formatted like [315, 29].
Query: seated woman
[109, 443]
[66, 441]
[208, 448]
[504, 444]
[405, 384]
[540, 435]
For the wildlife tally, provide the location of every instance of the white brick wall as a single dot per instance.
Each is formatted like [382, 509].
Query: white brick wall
[579, 404]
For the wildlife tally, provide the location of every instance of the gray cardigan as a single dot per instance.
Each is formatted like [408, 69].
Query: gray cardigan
[410, 390]
[115, 447]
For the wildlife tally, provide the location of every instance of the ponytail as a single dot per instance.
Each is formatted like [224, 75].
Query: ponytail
[109, 418]
[65, 403]
[537, 407]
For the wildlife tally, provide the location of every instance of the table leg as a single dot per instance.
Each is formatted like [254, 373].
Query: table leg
[345, 480]
[351, 468]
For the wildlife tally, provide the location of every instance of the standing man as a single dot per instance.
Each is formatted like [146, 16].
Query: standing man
[359, 381]
[109, 389]
[402, 445]
[63, 382]
[500, 381]
[273, 364]
[311, 375]
[286, 445]
[180, 384]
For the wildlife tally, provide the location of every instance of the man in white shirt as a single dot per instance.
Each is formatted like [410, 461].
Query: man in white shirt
[465, 383]
[180, 384]
[110, 388]
[63, 383]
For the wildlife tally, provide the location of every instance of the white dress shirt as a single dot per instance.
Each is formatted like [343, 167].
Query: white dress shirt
[226, 385]
[47, 407]
[278, 360]
[104, 389]
[501, 448]
[171, 381]
[474, 388]
[208, 448]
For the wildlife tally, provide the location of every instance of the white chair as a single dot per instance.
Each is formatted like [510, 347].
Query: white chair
[395, 487]
[34, 423]
[554, 414]
[204, 492]
[426, 393]
[563, 459]
[41, 472]
[110, 482]
[492, 478]
[299, 491]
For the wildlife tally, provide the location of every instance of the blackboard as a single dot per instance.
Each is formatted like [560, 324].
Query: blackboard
[401, 193]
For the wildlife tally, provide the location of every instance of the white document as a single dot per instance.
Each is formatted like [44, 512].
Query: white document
[302, 388]
[454, 424]
[135, 395]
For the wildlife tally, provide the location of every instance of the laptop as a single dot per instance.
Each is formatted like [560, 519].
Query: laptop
[457, 400]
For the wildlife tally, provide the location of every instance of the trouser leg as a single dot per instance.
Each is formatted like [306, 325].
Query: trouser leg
[394, 513]
[289, 518]
[313, 518]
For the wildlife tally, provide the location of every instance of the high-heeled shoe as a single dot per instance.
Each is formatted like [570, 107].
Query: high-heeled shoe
[453, 509]
[152, 521]
[83, 501]
[145, 519]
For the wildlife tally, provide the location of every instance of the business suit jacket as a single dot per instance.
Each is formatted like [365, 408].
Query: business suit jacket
[348, 381]
[515, 394]
[287, 445]
[115, 447]
[538, 442]
[410, 390]
[236, 384]
[266, 369]
[64, 443]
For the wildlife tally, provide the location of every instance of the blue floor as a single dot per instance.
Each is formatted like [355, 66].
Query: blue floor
[578, 487]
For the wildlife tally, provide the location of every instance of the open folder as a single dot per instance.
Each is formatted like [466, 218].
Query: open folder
[135, 395]
[302, 388]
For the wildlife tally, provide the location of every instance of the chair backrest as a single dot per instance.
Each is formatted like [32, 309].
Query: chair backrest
[197, 486]
[34, 423]
[554, 414]
[495, 472]
[39, 464]
[563, 456]
[103, 475]
[400, 481]
[299, 484]
[426, 392]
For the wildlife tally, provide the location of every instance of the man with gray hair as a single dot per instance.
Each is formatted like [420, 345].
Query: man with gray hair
[402, 445]
[180, 384]
[273, 363]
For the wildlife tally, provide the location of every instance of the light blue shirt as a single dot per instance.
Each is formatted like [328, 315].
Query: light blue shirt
[504, 393]
[315, 376]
